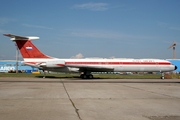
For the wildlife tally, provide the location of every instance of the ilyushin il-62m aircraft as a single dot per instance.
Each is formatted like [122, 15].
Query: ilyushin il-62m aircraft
[33, 57]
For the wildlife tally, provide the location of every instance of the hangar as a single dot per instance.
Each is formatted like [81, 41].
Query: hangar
[10, 65]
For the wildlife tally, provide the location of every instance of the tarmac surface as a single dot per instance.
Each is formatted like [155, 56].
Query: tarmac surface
[91, 99]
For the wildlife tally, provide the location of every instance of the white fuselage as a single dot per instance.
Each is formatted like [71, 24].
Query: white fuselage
[101, 65]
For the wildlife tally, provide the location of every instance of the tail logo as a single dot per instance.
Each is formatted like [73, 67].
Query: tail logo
[29, 48]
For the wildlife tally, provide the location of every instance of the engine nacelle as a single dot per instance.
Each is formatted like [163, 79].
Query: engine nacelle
[53, 63]
[74, 69]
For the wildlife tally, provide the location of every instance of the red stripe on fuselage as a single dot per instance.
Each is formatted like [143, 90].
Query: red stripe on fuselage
[118, 63]
[108, 63]
[60, 64]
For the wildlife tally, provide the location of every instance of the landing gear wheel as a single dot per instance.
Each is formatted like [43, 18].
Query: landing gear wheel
[83, 76]
[91, 76]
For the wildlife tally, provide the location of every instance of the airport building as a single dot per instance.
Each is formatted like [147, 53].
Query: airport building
[10, 66]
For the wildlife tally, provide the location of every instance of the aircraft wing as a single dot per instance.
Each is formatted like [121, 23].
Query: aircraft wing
[91, 68]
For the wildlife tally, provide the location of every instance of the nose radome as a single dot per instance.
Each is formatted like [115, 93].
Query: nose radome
[175, 68]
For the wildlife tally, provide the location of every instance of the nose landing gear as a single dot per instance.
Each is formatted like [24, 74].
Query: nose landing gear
[162, 77]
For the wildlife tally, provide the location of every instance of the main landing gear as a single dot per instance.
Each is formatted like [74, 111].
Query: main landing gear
[86, 75]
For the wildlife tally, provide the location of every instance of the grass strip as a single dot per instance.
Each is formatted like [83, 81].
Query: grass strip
[67, 75]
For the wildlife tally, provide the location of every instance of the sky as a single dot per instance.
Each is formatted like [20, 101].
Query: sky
[93, 28]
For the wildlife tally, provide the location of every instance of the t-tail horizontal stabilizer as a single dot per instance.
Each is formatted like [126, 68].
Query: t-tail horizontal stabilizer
[15, 37]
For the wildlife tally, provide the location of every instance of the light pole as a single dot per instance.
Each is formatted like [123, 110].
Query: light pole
[16, 58]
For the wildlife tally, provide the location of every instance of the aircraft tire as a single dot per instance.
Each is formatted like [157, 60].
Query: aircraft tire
[91, 76]
[85, 77]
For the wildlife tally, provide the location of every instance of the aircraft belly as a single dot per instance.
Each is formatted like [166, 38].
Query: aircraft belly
[143, 68]
[167, 68]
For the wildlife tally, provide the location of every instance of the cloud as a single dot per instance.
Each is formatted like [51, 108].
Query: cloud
[2, 31]
[19, 56]
[106, 34]
[5, 20]
[171, 43]
[163, 24]
[113, 57]
[168, 26]
[36, 26]
[2, 57]
[92, 6]
[78, 56]
[174, 28]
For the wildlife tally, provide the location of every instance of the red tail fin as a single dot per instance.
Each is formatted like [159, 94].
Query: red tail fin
[27, 49]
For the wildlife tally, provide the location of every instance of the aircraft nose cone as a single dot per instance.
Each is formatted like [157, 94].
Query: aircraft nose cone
[175, 68]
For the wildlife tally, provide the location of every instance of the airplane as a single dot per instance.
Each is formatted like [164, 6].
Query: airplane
[33, 57]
